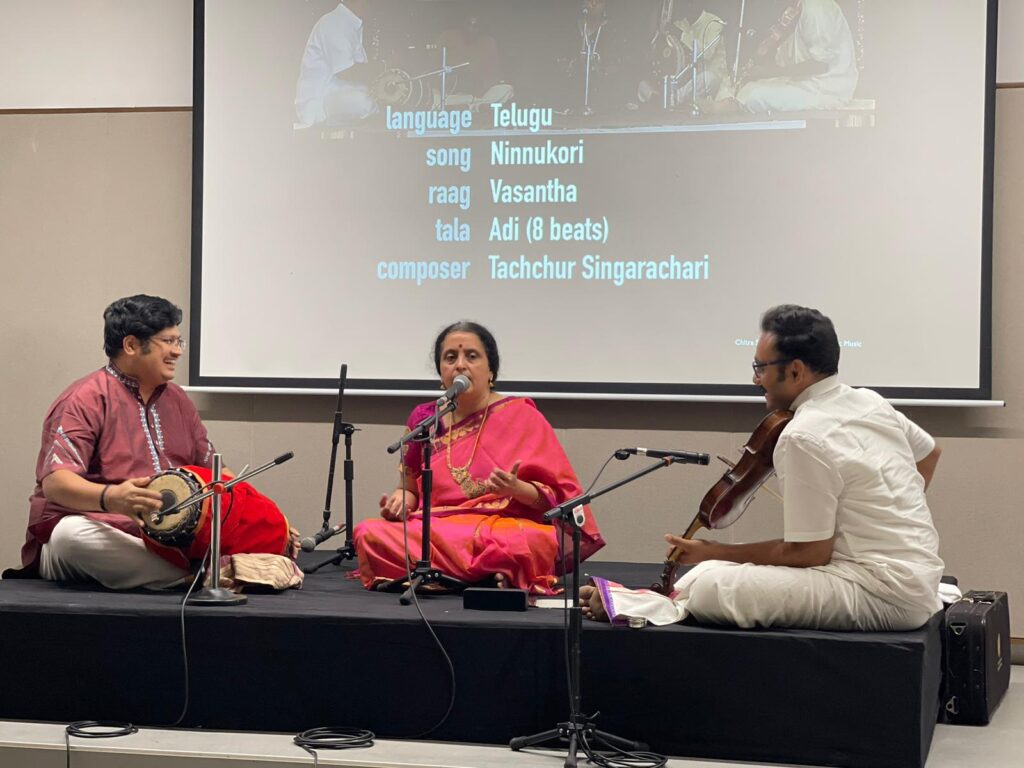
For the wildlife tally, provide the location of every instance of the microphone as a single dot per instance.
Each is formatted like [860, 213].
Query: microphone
[681, 457]
[310, 543]
[459, 385]
[283, 458]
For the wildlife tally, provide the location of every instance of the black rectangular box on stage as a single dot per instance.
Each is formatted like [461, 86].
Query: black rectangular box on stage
[976, 657]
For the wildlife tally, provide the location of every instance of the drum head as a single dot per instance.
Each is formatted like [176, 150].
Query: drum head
[393, 88]
[398, 89]
[175, 528]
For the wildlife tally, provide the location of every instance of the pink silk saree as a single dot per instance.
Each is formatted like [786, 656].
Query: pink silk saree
[476, 535]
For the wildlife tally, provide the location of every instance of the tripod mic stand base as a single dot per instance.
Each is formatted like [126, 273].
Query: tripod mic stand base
[421, 582]
[348, 552]
[218, 596]
[574, 733]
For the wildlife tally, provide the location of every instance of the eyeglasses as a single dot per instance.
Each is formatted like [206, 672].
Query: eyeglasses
[178, 341]
[758, 367]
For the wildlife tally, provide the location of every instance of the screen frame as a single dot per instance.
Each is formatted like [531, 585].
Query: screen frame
[609, 390]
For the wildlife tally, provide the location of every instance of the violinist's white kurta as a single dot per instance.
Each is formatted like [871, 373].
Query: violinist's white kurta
[823, 35]
[847, 466]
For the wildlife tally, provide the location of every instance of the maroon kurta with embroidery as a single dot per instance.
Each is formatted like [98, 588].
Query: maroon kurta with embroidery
[99, 428]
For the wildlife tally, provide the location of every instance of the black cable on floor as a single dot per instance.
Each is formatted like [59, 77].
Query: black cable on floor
[423, 618]
[105, 729]
[94, 729]
[333, 738]
[352, 738]
[598, 752]
[203, 565]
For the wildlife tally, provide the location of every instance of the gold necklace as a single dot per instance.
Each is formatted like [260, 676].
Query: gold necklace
[469, 484]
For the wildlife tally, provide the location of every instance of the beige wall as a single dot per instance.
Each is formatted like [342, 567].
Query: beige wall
[95, 206]
[95, 53]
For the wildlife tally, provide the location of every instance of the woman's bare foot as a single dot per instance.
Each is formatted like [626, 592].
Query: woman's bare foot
[500, 581]
[592, 604]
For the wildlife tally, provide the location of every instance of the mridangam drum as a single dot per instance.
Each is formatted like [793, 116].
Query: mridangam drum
[177, 528]
[397, 88]
[250, 522]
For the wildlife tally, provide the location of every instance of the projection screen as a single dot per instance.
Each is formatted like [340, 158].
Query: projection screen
[617, 189]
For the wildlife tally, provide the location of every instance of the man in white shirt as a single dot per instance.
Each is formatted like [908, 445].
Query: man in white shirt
[815, 67]
[859, 550]
[328, 90]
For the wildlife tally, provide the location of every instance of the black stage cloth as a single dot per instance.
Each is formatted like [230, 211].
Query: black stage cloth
[334, 654]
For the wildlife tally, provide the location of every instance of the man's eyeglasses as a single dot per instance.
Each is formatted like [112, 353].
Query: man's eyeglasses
[759, 367]
[178, 342]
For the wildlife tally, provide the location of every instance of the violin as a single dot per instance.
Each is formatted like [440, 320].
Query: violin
[732, 494]
[778, 32]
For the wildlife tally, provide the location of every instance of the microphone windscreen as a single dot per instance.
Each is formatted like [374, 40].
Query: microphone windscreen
[284, 457]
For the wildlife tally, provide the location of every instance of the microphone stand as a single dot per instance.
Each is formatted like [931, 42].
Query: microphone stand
[347, 551]
[424, 573]
[670, 87]
[739, 41]
[580, 727]
[215, 594]
[589, 51]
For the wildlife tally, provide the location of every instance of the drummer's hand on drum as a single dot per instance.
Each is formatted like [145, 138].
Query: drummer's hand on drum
[132, 498]
[391, 506]
[688, 551]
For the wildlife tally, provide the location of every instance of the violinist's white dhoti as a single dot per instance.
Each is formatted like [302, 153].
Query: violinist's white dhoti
[745, 595]
[847, 466]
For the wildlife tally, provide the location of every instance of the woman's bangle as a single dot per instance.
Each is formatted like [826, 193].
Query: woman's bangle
[103, 496]
[541, 502]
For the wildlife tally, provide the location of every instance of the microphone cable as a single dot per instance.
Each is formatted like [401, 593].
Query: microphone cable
[354, 738]
[204, 563]
[603, 755]
[419, 609]
[565, 590]
[107, 729]
[333, 738]
[94, 729]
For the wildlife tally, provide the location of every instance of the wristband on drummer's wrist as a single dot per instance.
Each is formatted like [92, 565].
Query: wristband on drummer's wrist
[103, 496]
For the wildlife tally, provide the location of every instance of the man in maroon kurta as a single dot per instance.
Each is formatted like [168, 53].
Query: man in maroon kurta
[103, 439]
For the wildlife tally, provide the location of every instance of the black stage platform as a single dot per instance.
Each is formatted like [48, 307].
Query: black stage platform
[334, 654]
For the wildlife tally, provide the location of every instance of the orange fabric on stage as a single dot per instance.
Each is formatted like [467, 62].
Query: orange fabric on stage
[475, 535]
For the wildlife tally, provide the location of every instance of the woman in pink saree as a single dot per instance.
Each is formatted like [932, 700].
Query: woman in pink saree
[498, 467]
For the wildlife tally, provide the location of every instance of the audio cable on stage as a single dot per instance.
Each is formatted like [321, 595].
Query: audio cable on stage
[94, 729]
[333, 738]
[355, 738]
[600, 752]
[423, 618]
[105, 729]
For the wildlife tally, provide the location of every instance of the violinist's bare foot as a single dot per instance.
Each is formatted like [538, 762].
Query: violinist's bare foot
[500, 581]
[591, 603]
